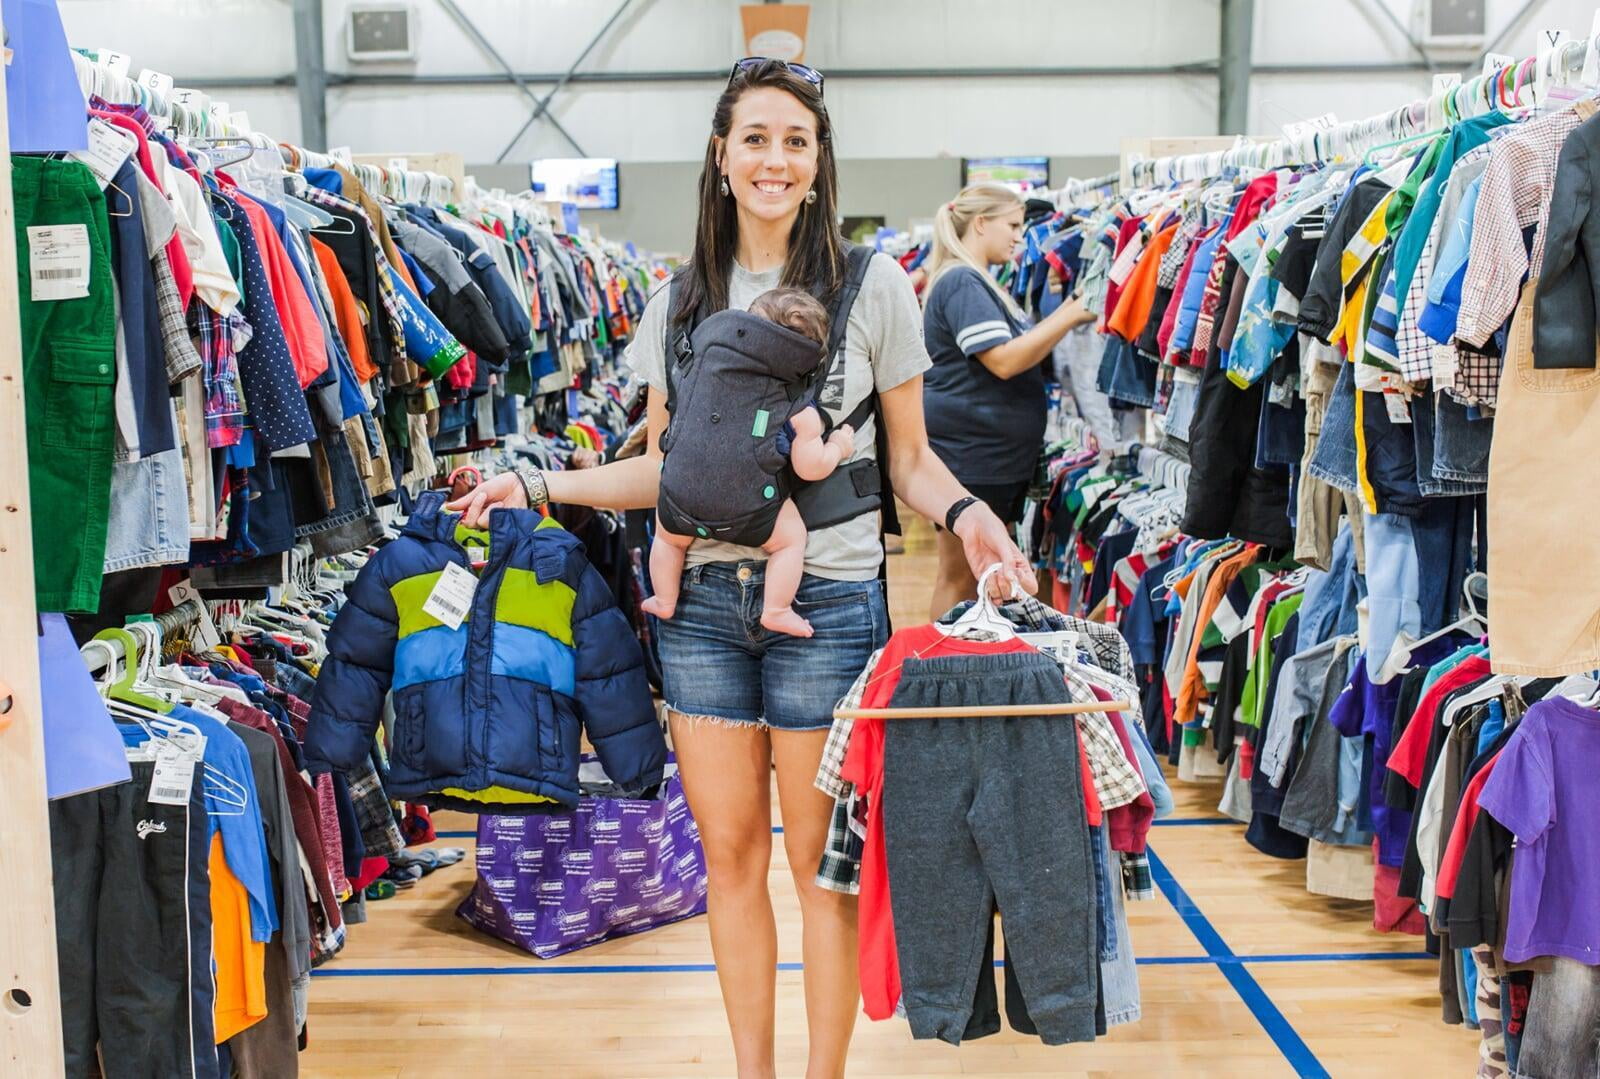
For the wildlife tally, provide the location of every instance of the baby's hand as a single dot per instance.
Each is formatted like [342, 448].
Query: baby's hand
[843, 439]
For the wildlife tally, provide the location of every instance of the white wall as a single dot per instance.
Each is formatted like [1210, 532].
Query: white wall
[875, 118]
[895, 121]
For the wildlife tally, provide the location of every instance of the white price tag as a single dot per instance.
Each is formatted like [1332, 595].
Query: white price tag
[218, 110]
[155, 80]
[117, 63]
[108, 149]
[1446, 81]
[206, 635]
[1445, 362]
[58, 261]
[1496, 61]
[1399, 408]
[451, 598]
[173, 780]
[341, 154]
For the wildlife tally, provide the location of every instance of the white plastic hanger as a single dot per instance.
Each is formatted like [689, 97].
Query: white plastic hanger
[1473, 620]
[984, 615]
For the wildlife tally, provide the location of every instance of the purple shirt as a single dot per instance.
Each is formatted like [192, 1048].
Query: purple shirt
[1364, 708]
[1545, 796]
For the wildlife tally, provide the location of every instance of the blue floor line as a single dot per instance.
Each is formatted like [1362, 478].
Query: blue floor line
[1283, 1035]
[709, 968]
[1173, 822]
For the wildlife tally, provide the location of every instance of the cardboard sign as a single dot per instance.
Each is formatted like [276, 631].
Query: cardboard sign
[775, 30]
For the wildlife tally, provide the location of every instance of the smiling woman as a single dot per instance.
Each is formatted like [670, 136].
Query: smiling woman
[742, 699]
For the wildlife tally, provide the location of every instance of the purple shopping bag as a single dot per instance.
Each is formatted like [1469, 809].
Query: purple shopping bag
[610, 868]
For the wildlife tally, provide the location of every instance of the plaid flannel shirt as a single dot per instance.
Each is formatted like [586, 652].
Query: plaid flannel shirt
[394, 322]
[1515, 194]
[182, 358]
[379, 832]
[214, 337]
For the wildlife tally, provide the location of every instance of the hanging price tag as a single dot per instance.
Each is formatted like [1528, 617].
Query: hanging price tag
[1399, 408]
[173, 779]
[1445, 364]
[58, 262]
[155, 80]
[108, 149]
[451, 597]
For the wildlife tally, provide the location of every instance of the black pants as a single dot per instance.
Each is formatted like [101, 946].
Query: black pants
[983, 813]
[133, 933]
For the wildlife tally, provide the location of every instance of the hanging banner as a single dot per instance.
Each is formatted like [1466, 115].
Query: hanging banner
[775, 30]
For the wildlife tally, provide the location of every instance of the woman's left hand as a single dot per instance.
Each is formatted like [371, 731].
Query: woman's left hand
[986, 540]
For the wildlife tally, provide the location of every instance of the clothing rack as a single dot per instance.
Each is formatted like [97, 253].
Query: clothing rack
[1162, 468]
[1497, 86]
[1064, 709]
[1075, 188]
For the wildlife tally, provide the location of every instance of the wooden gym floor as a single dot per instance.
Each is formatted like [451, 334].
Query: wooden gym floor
[1242, 973]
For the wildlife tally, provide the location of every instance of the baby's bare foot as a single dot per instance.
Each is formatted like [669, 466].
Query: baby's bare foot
[784, 620]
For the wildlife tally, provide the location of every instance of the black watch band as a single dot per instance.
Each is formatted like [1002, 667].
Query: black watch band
[957, 510]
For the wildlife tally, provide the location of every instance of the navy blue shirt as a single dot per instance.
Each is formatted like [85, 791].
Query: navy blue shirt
[988, 430]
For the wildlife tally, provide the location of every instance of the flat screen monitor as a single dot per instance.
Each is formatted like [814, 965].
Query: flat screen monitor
[1021, 174]
[590, 183]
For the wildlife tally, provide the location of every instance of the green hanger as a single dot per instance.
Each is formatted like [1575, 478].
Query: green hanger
[122, 689]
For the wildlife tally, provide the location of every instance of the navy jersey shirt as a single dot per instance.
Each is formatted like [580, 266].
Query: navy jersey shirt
[988, 430]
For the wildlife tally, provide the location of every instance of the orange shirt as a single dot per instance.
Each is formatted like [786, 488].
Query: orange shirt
[240, 963]
[1193, 688]
[1139, 294]
[347, 310]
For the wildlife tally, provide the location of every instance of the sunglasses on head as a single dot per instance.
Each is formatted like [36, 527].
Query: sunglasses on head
[749, 63]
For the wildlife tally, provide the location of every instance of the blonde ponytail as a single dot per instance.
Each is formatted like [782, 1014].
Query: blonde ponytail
[951, 223]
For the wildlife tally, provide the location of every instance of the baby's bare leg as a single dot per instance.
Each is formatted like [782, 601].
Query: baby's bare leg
[667, 553]
[786, 560]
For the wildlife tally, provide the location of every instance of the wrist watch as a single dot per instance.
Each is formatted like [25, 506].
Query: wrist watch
[533, 484]
[956, 510]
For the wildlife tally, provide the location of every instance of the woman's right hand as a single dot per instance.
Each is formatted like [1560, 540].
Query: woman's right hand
[504, 491]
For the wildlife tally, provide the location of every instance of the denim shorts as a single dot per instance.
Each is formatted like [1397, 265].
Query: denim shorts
[149, 517]
[1334, 459]
[719, 662]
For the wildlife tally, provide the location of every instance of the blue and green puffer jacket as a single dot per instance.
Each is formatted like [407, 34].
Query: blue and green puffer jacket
[486, 714]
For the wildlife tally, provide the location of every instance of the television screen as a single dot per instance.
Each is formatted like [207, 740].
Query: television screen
[1021, 174]
[590, 183]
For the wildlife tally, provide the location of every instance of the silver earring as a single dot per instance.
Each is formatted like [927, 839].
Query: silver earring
[723, 187]
[811, 197]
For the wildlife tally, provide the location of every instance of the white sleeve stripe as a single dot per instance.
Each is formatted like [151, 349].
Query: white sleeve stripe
[979, 328]
[967, 342]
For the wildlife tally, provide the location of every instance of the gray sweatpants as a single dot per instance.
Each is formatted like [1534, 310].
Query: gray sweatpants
[986, 812]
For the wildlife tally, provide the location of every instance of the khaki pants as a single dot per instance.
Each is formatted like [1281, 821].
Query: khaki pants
[1544, 583]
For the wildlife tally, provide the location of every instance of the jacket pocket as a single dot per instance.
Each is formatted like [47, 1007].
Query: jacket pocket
[78, 406]
[408, 733]
[524, 727]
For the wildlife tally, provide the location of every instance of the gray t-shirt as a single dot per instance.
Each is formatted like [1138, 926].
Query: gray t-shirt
[882, 347]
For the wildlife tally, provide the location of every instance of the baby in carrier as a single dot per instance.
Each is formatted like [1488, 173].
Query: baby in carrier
[743, 422]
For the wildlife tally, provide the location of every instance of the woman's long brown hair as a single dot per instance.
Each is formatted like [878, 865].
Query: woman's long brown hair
[816, 247]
